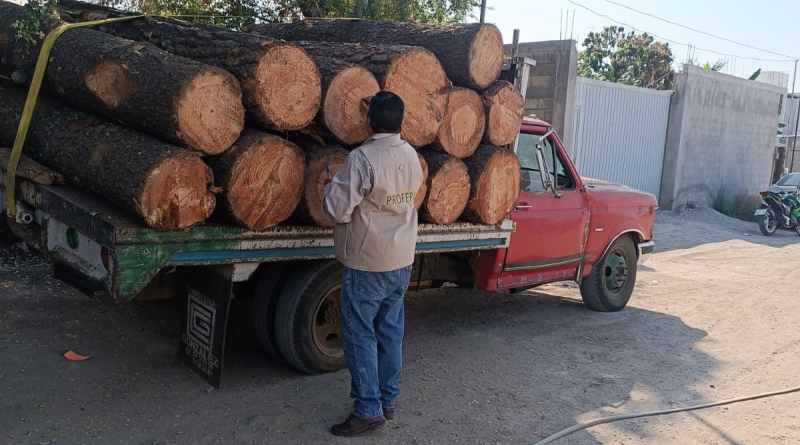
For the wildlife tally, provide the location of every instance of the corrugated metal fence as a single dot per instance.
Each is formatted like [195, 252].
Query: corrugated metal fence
[620, 133]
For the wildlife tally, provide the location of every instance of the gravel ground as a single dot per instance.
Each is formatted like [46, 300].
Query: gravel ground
[714, 315]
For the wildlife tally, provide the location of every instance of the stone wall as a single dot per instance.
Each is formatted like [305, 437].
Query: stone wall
[720, 142]
[551, 86]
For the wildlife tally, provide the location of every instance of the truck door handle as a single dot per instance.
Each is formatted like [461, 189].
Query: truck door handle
[523, 206]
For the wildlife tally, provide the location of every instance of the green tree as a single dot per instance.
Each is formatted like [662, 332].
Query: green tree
[630, 58]
[250, 11]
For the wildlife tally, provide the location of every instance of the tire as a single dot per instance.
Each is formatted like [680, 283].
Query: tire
[307, 319]
[768, 224]
[605, 290]
[265, 297]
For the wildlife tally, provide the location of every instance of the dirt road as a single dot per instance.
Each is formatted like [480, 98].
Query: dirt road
[715, 315]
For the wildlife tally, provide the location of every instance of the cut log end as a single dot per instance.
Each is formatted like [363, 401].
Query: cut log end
[495, 185]
[463, 124]
[419, 79]
[176, 193]
[210, 112]
[448, 192]
[423, 188]
[110, 83]
[504, 107]
[319, 173]
[344, 111]
[266, 181]
[288, 91]
[486, 56]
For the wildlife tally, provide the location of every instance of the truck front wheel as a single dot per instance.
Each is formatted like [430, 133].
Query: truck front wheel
[610, 285]
[307, 319]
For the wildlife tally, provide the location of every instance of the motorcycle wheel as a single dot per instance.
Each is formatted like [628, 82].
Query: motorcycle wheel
[769, 223]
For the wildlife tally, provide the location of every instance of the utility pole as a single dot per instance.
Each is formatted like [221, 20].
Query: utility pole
[483, 10]
[797, 112]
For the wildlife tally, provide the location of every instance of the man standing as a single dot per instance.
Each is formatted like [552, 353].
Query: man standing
[372, 201]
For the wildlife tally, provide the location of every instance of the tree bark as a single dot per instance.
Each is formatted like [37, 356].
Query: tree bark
[504, 107]
[412, 73]
[30, 169]
[261, 176]
[179, 100]
[13, 50]
[167, 186]
[323, 161]
[281, 83]
[472, 54]
[495, 179]
[463, 124]
[345, 89]
[448, 188]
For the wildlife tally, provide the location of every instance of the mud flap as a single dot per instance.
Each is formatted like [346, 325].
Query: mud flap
[208, 292]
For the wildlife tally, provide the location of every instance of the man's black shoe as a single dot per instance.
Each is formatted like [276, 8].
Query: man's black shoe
[388, 413]
[356, 426]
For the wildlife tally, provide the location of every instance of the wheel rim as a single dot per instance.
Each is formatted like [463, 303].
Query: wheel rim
[325, 330]
[770, 222]
[615, 271]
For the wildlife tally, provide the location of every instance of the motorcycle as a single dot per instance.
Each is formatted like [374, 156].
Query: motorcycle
[779, 210]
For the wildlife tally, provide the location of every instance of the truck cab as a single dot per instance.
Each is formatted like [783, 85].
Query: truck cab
[570, 228]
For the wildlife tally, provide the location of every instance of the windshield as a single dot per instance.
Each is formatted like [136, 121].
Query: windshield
[790, 180]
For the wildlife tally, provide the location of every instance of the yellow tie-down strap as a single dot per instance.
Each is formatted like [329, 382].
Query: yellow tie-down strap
[30, 104]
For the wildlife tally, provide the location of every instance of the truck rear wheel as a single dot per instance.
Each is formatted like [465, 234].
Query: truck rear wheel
[265, 299]
[307, 319]
[610, 285]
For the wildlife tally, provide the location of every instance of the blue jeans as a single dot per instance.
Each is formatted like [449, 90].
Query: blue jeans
[372, 329]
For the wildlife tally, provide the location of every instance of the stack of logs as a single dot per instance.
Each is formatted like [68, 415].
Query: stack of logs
[162, 118]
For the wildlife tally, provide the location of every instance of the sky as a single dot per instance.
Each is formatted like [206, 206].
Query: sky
[767, 24]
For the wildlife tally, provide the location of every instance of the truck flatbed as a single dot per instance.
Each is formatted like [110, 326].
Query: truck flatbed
[109, 251]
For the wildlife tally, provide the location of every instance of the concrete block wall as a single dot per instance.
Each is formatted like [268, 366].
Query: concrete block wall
[720, 141]
[551, 86]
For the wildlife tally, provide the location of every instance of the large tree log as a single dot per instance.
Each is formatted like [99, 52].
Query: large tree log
[472, 54]
[177, 99]
[504, 107]
[345, 89]
[448, 188]
[495, 178]
[463, 124]
[29, 169]
[281, 83]
[167, 186]
[323, 161]
[262, 177]
[412, 73]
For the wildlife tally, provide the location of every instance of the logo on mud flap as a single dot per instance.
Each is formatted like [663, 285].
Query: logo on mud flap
[199, 336]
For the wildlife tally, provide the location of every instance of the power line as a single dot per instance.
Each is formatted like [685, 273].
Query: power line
[676, 42]
[699, 31]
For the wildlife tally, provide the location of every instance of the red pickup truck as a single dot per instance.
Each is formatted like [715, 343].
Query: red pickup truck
[563, 227]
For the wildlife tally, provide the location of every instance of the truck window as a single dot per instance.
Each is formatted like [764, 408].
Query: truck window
[530, 172]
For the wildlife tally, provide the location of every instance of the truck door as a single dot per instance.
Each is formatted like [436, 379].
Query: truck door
[547, 244]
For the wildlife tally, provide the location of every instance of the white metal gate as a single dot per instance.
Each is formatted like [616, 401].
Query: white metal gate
[620, 133]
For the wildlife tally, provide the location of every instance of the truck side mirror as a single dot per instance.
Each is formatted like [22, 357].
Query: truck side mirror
[544, 171]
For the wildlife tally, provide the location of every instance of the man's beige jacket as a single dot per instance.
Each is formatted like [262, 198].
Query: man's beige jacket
[372, 201]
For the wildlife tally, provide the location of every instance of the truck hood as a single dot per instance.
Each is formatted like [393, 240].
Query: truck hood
[609, 194]
[599, 184]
